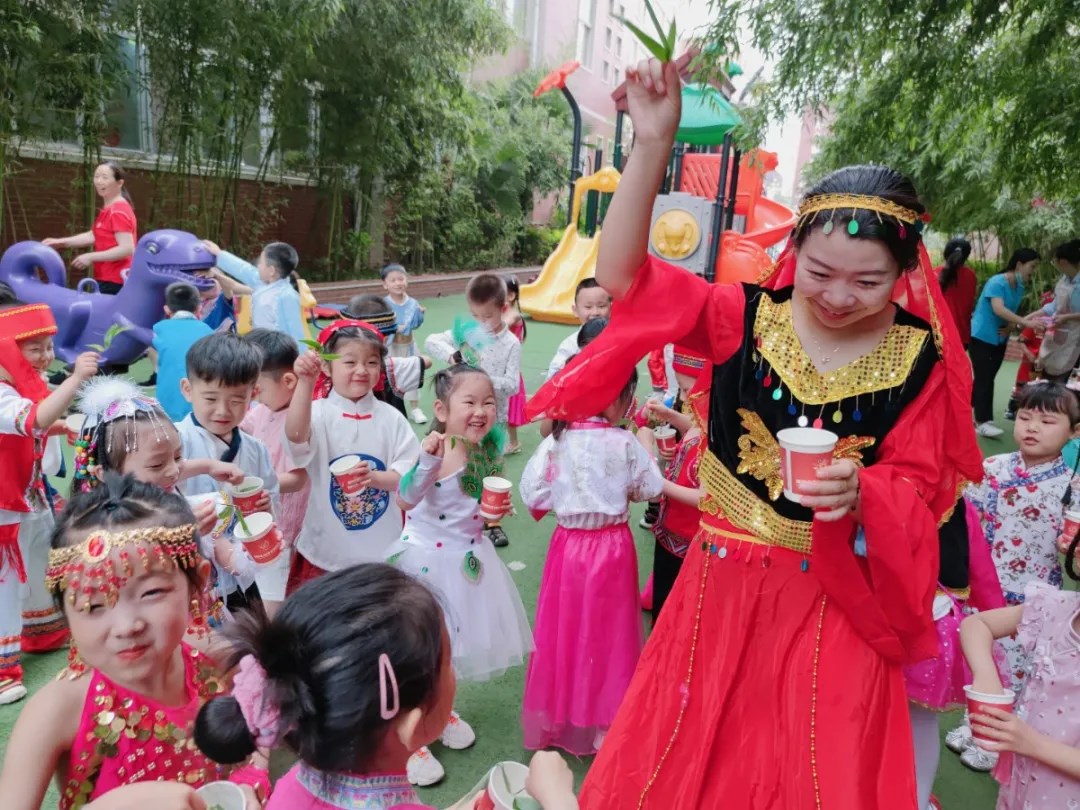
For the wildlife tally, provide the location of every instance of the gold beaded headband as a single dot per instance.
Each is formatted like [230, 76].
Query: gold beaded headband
[865, 202]
[89, 568]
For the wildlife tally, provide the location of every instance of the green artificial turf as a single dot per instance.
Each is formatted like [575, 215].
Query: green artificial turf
[493, 707]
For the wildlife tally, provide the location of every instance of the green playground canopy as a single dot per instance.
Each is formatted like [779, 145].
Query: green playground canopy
[706, 116]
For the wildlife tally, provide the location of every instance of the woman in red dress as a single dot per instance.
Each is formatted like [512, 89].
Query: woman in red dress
[113, 235]
[959, 286]
[773, 679]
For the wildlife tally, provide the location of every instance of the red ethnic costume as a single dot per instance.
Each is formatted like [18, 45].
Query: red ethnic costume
[773, 679]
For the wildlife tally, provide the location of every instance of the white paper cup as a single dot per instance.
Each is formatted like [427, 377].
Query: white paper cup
[976, 701]
[350, 472]
[802, 452]
[223, 795]
[505, 784]
[495, 497]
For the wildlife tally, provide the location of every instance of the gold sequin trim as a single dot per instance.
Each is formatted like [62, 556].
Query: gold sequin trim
[759, 453]
[887, 366]
[728, 498]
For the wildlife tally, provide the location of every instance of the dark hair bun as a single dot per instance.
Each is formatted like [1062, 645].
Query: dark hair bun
[221, 731]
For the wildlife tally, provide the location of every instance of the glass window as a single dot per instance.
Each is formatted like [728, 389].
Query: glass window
[607, 38]
[125, 111]
[606, 74]
[618, 46]
[584, 44]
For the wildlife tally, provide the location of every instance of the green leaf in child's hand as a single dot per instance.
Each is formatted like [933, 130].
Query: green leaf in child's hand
[314, 345]
[655, 20]
[526, 803]
[328, 356]
[97, 347]
[654, 47]
[112, 332]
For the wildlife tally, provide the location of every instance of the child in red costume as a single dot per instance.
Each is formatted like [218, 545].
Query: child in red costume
[27, 411]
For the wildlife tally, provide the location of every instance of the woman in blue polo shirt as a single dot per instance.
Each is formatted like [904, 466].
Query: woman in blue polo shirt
[995, 314]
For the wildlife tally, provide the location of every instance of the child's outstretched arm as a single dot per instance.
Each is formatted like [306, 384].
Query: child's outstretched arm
[298, 419]
[686, 495]
[654, 94]
[441, 346]
[414, 485]
[55, 404]
[977, 634]
[232, 265]
[42, 735]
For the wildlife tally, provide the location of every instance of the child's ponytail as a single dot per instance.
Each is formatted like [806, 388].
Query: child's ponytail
[314, 684]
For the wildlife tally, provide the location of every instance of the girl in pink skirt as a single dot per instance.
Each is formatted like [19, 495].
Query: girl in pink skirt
[516, 324]
[588, 627]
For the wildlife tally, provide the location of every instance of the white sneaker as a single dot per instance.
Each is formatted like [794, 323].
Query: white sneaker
[458, 735]
[988, 430]
[423, 770]
[11, 691]
[979, 760]
[959, 739]
[419, 416]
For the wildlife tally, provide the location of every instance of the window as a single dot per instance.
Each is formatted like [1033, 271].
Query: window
[586, 16]
[607, 38]
[606, 74]
[127, 111]
[618, 46]
[616, 77]
[517, 15]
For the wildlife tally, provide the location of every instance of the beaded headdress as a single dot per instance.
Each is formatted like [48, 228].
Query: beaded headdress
[855, 202]
[88, 568]
[108, 399]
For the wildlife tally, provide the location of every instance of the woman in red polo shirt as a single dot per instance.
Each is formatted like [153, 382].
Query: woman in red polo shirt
[113, 234]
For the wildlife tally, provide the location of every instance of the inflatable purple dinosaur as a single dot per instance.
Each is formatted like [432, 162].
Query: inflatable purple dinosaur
[84, 316]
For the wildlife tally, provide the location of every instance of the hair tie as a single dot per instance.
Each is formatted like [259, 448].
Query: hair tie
[261, 713]
[387, 677]
[111, 505]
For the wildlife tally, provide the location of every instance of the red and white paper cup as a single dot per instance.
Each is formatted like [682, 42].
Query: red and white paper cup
[1072, 525]
[495, 498]
[262, 540]
[350, 472]
[73, 426]
[246, 495]
[977, 701]
[666, 439]
[505, 784]
[802, 452]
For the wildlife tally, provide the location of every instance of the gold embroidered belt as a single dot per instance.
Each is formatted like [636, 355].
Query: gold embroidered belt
[727, 499]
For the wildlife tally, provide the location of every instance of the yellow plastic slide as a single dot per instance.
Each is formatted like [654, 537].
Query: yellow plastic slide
[551, 296]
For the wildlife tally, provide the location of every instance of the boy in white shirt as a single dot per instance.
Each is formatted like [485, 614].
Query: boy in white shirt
[222, 371]
[499, 356]
[591, 301]
[346, 419]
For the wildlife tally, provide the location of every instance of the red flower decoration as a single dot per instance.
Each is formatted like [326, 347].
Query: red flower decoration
[557, 78]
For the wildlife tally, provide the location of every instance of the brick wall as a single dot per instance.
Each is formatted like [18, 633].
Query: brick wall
[48, 198]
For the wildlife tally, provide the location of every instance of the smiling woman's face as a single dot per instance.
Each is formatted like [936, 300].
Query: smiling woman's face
[844, 280]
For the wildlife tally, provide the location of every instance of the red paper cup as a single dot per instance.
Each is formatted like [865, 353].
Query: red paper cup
[977, 701]
[262, 541]
[666, 440]
[350, 472]
[495, 499]
[73, 426]
[1072, 525]
[246, 495]
[802, 452]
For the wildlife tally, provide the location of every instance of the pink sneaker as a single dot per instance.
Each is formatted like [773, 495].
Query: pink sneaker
[646, 595]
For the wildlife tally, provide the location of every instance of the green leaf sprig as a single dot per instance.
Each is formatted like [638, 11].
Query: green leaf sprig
[664, 49]
[231, 511]
[521, 801]
[315, 346]
[110, 335]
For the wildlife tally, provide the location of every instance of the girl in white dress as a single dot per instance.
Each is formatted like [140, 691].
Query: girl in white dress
[443, 544]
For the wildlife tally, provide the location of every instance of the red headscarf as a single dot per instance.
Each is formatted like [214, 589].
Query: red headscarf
[17, 324]
[323, 386]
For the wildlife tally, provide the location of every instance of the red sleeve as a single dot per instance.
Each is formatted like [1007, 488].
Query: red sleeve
[888, 595]
[121, 218]
[970, 288]
[664, 305]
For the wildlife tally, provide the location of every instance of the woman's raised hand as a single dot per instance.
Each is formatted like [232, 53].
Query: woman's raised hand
[654, 95]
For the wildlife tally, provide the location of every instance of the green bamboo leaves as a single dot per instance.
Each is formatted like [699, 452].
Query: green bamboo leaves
[229, 512]
[110, 335]
[664, 50]
[315, 346]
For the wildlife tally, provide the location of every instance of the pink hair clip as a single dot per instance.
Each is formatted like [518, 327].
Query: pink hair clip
[387, 676]
[262, 715]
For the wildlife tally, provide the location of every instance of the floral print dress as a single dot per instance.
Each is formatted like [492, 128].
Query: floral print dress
[1022, 515]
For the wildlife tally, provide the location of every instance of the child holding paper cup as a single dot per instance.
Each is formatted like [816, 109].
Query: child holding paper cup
[1042, 730]
[447, 496]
